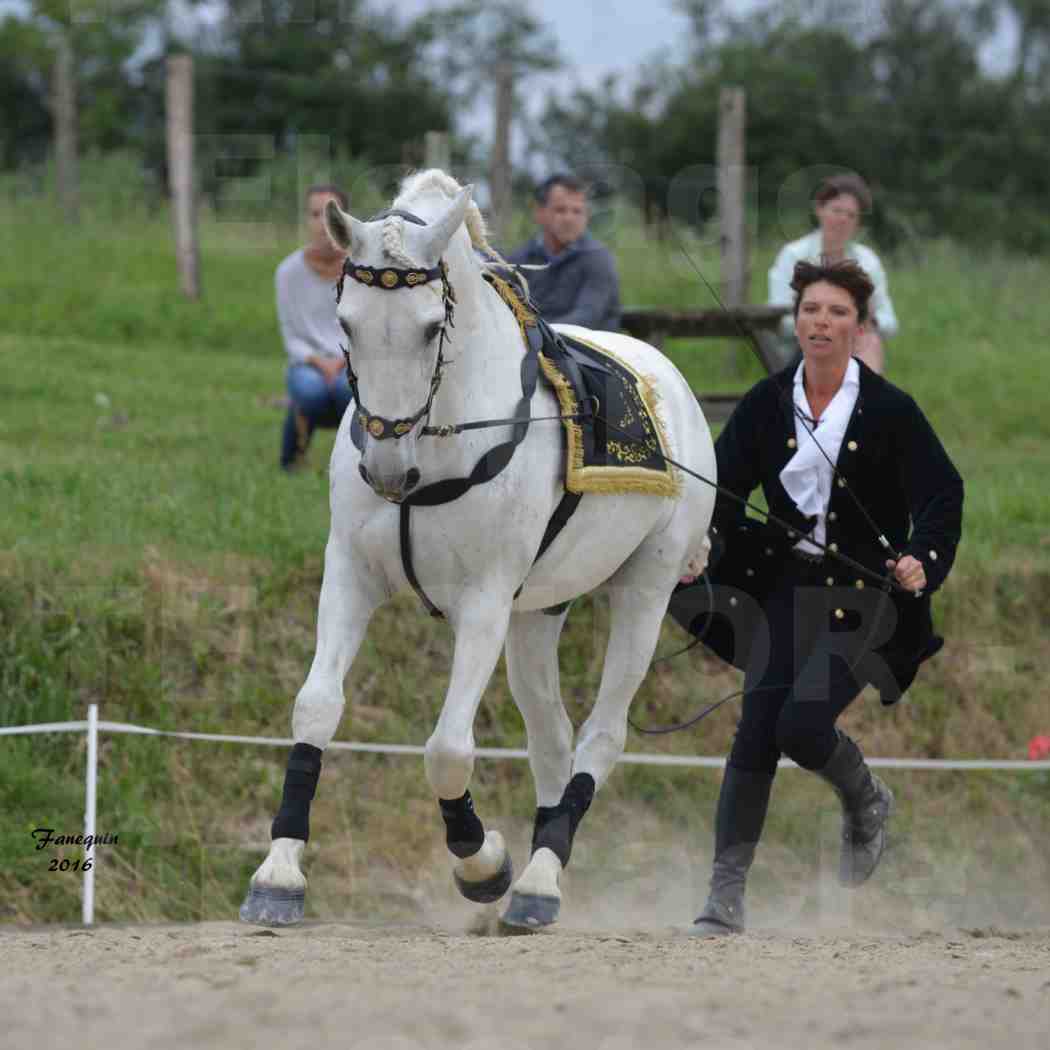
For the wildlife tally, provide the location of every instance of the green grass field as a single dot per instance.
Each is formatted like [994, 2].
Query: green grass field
[154, 560]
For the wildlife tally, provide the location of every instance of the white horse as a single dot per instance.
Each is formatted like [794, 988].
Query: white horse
[474, 556]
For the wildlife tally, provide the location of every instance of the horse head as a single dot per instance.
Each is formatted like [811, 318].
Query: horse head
[394, 306]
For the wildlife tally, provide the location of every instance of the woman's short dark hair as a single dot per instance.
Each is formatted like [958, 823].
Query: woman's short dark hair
[836, 185]
[340, 195]
[847, 275]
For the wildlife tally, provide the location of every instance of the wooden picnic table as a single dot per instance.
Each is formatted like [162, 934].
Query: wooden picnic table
[657, 324]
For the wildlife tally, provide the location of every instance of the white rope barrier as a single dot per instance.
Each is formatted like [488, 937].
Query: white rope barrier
[93, 726]
[629, 757]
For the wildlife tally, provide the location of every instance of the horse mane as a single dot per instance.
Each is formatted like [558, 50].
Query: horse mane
[435, 180]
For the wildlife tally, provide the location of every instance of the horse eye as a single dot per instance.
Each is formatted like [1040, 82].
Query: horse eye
[431, 332]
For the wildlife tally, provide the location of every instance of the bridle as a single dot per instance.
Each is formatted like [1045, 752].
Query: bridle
[390, 279]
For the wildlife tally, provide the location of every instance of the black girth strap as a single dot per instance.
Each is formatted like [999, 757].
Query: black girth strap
[406, 561]
[559, 518]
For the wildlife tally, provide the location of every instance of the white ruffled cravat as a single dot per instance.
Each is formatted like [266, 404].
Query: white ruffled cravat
[807, 477]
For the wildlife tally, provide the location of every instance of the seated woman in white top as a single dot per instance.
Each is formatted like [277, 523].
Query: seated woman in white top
[318, 391]
[838, 203]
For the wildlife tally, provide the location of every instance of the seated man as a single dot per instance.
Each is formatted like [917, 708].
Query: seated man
[580, 284]
[316, 377]
[838, 204]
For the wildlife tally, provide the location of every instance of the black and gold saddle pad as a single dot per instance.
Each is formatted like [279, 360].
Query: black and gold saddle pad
[627, 454]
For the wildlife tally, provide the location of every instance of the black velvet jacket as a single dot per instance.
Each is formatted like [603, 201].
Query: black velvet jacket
[897, 469]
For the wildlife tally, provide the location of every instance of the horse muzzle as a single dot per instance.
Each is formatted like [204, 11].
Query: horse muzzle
[393, 490]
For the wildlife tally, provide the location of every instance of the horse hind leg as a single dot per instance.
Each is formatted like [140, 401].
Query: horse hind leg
[277, 890]
[532, 669]
[535, 901]
[638, 600]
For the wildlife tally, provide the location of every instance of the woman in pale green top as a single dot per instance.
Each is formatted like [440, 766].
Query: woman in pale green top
[838, 204]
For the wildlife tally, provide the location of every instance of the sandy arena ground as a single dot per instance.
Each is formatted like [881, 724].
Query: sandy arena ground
[406, 987]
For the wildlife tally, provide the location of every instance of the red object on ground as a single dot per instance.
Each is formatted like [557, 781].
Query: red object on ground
[1039, 748]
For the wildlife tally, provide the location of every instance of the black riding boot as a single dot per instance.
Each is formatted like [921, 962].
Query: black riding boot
[866, 806]
[742, 805]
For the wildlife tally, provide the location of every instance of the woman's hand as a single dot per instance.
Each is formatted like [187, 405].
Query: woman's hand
[909, 573]
[329, 367]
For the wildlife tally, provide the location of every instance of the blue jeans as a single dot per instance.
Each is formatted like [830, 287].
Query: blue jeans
[315, 403]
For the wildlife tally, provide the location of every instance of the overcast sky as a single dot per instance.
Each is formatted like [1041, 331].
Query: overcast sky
[602, 36]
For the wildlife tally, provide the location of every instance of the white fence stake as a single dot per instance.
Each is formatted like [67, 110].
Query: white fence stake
[89, 815]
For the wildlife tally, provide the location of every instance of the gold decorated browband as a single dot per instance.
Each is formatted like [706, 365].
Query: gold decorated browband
[389, 277]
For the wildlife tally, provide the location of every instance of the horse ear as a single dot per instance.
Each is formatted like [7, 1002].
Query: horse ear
[343, 230]
[440, 231]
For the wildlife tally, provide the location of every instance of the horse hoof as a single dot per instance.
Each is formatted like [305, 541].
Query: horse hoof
[713, 928]
[531, 911]
[273, 906]
[491, 889]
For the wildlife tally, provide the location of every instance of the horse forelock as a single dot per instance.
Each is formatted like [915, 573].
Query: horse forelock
[392, 237]
[419, 188]
[435, 182]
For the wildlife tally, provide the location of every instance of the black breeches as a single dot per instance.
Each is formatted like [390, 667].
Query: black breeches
[795, 691]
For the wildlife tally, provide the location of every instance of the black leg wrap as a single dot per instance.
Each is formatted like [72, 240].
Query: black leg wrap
[556, 825]
[300, 783]
[464, 832]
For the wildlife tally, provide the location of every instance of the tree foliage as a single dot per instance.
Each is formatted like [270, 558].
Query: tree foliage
[102, 45]
[893, 89]
[899, 96]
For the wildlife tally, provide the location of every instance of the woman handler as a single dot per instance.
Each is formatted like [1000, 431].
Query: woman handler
[851, 464]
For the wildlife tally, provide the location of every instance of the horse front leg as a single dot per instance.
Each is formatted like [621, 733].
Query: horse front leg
[483, 871]
[277, 891]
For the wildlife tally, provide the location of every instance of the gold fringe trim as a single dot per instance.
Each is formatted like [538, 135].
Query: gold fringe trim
[610, 480]
[569, 407]
[522, 314]
[653, 401]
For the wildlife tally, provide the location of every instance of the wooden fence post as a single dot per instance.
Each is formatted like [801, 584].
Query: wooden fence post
[64, 114]
[731, 194]
[437, 152]
[731, 198]
[180, 172]
[499, 168]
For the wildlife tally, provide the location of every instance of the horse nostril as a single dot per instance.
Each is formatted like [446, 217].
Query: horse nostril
[366, 477]
[411, 479]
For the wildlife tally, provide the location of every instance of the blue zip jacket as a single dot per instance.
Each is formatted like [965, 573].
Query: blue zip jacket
[580, 285]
